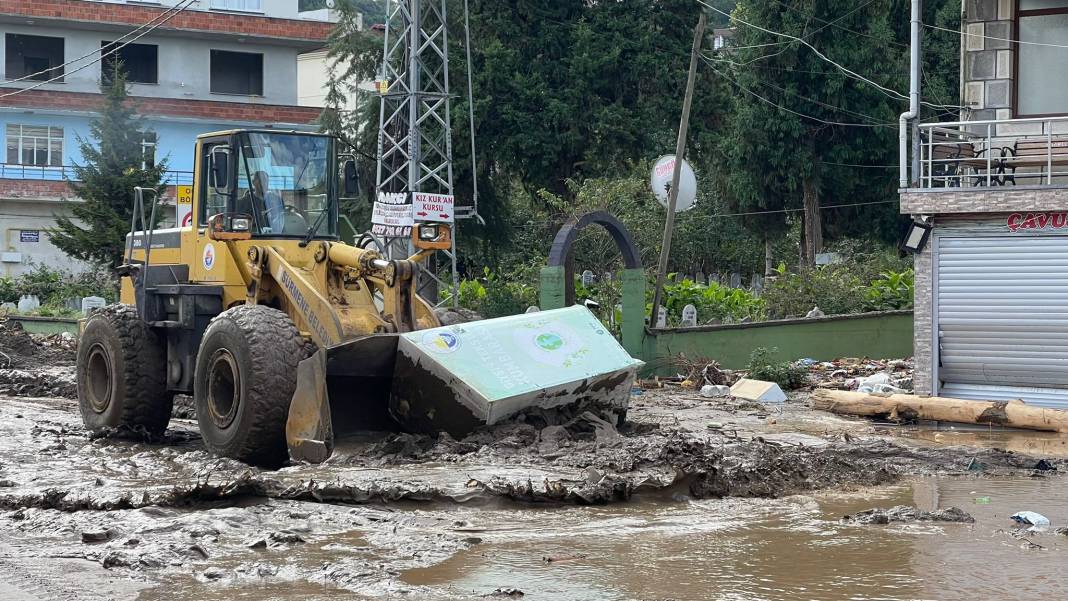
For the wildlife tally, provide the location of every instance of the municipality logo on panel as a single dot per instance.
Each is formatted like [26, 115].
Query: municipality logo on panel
[209, 256]
[441, 342]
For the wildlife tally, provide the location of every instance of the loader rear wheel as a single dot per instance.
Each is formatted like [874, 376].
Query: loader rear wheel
[122, 375]
[245, 377]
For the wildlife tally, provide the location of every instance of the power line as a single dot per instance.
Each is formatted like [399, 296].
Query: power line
[791, 111]
[860, 166]
[92, 52]
[835, 24]
[746, 213]
[819, 102]
[102, 54]
[888, 91]
[990, 37]
[825, 207]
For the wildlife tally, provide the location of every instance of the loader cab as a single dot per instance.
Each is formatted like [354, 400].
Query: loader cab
[287, 183]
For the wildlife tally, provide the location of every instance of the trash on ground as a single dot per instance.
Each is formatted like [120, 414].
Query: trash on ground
[758, 390]
[710, 391]
[879, 382]
[1037, 521]
[904, 513]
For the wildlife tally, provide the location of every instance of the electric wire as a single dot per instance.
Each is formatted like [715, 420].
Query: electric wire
[990, 37]
[886, 90]
[791, 111]
[113, 50]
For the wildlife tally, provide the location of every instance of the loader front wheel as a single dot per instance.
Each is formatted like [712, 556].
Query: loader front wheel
[122, 375]
[245, 377]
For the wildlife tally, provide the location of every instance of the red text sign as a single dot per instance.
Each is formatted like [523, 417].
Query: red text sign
[1036, 221]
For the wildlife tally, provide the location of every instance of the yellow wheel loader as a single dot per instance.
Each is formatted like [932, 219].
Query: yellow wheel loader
[285, 336]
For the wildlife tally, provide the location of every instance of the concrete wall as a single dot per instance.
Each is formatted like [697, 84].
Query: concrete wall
[16, 256]
[875, 335]
[184, 65]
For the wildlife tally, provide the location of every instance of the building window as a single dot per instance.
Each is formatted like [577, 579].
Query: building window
[255, 6]
[33, 57]
[1042, 22]
[236, 73]
[35, 145]
[139, 61]
[148, 150]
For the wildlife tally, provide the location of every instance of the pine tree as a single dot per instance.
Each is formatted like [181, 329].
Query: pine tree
[96, 228]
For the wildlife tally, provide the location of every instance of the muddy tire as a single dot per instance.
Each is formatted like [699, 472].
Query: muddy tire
[245, 377]
[122, 375]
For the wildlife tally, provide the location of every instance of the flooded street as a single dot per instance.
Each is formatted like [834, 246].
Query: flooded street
[670, 509]
[794, 548]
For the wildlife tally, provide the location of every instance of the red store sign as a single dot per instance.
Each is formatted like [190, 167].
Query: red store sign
[1037, 221]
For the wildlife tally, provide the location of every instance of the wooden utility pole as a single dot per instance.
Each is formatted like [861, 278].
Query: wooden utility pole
[680, 154]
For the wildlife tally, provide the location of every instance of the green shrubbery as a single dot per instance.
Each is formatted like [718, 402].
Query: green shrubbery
[54, 287]
[787, 375]
[492, 296]
[712, 302]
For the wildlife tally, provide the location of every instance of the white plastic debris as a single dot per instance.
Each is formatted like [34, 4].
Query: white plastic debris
[1037, 521]
[758, 390]
[879, 382]
[710, 391]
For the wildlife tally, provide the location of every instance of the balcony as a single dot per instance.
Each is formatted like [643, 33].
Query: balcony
[66, 173]
[1024, 153]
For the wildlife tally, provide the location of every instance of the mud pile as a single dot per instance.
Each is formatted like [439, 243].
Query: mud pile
[34, 365]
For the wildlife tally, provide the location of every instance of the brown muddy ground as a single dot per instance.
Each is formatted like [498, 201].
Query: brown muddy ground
[696, 489]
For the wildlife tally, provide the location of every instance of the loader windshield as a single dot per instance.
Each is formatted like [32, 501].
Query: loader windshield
[283, 181]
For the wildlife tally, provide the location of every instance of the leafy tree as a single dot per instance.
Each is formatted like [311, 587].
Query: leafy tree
[105, 182]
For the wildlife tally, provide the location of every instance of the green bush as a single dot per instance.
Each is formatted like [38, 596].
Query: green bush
[785, 374]
[495, 296]
[891, 291]
[713, 301]
[835, 289]
[54, 287]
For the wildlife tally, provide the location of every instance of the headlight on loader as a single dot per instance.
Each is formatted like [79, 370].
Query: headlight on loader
[432, 236]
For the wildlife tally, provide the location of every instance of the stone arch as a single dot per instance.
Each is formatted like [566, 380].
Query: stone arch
[560, 253]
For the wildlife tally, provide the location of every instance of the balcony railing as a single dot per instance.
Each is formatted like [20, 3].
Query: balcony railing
[66, 172]
[982, 154]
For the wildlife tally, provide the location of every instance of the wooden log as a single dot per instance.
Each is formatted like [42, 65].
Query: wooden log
[908, 407]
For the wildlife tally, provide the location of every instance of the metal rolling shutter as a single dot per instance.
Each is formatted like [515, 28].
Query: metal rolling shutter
[1002, 309]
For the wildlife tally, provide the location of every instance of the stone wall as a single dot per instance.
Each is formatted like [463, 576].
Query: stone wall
[1009, 199]
[988, 62]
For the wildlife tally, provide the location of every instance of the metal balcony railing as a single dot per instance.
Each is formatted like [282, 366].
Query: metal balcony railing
[66, 172]
[982, 154]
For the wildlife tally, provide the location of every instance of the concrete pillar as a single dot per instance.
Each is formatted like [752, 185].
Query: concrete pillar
[552, 288]
[633, 326]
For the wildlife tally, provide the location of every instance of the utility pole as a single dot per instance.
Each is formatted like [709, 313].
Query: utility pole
[680, 154]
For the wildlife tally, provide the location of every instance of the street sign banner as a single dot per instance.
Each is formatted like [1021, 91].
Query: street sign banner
[391, 216]
[184, 205]
[433, 207]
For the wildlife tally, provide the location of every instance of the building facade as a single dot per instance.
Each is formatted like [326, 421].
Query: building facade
[200, 66]
[991, 294]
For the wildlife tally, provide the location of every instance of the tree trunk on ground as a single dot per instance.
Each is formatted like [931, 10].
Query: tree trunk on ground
[813, 223]
[908, 407]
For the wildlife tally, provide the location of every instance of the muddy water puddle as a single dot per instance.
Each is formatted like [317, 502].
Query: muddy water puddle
[788, 549]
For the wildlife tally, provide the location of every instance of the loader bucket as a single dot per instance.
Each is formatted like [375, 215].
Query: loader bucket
[340, 389]
[456, 378]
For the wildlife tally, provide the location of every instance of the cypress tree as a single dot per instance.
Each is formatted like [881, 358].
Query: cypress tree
[95, 229]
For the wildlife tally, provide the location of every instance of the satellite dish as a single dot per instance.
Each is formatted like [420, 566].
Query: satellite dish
[660, 181]
[331, 3]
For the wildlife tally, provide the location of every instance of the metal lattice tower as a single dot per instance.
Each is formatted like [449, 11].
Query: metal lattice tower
[414, 135]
